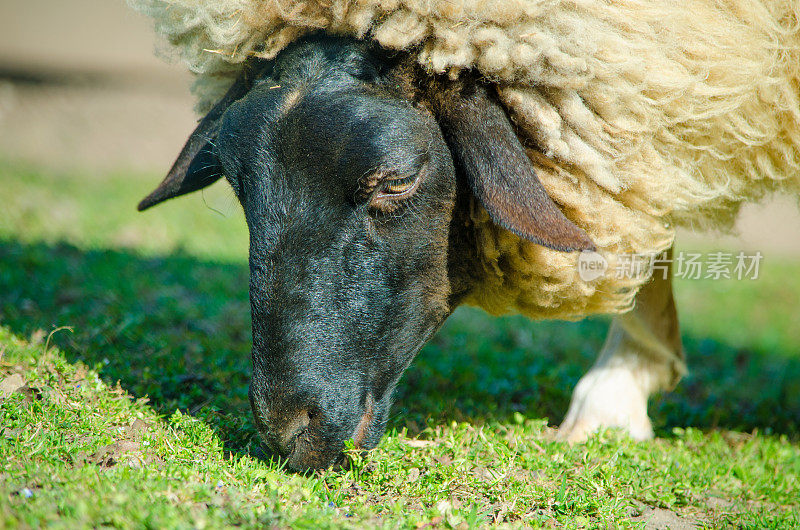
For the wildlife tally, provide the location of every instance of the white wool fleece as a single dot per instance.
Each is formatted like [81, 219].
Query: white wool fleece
[640, 114]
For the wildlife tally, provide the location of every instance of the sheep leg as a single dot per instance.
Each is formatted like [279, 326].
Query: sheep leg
[643, 354]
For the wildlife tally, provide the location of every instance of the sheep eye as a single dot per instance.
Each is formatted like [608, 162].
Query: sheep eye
[400, 186]
[394, 189]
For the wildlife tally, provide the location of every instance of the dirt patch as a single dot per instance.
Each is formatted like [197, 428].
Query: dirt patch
[81, 86]
[130, 449]
[15, 384]
[661, 519]
[79, 35]
[95, 128]
[11, 384]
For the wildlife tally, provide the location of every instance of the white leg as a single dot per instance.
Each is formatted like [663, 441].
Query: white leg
[642, 355]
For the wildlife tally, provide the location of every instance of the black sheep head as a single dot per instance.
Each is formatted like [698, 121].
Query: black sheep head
[356, 170]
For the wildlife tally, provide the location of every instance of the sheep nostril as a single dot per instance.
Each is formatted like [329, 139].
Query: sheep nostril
[292, 429]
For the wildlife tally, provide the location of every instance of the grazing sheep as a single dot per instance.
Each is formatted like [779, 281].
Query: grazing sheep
[636, 117]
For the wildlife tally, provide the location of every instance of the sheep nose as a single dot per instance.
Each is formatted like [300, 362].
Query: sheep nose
[279, 428]
[280, 432]
[286, 434]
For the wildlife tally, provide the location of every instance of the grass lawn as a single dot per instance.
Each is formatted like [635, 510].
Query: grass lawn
[137, 413]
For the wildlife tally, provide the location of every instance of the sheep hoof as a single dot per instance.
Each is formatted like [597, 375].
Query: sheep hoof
[605, 398]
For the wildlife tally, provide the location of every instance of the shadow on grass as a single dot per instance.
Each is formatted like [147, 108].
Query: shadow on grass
[177, 329]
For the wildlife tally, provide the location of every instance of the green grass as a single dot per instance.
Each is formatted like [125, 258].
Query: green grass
[138, 414]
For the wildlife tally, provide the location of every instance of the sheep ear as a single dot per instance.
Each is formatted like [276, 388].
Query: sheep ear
[197, 165]
[486, 148]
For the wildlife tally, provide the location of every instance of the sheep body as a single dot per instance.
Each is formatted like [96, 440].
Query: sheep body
[639, 115]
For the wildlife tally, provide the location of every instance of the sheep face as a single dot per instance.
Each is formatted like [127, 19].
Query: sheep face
[347, 193]
[342, 158]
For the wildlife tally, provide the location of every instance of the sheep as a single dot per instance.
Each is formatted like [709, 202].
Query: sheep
[632, 119]
[639, 116]
[361, 244]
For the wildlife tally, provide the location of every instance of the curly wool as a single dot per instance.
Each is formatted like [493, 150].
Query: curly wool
[639, 115]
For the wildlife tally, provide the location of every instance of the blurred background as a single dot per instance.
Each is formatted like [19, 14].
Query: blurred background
[81, 87]
[90, 121]
[86, 84]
